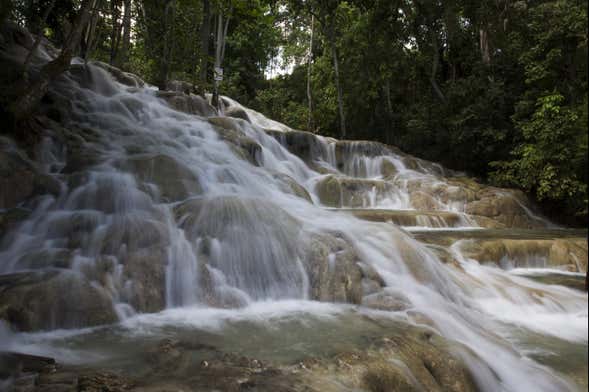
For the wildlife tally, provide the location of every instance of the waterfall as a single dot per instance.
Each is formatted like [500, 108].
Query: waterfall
[162, 209]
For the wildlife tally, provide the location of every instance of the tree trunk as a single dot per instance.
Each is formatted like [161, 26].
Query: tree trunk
[340, 95]
[218, 50]
[116, 30]
[222, 29]
[435, 62]
[37, 41]
[310, 121]
[484, 45]
[205, 35]
[123, 54]
[88, 43]
[164, 68]
[389, 112]
[29, 100]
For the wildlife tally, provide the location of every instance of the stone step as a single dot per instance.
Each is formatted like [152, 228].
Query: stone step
[514, 248]
[412, 218]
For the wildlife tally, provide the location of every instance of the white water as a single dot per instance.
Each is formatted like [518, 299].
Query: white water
[249, 237]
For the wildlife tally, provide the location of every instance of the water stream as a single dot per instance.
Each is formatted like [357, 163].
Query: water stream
[161, 187]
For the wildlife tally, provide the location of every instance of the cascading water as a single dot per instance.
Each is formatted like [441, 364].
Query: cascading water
[161, 212]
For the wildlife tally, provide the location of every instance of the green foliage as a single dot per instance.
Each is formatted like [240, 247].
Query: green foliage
[497, 89]
[551, 163]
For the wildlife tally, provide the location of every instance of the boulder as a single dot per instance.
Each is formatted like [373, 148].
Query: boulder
[236, 112]
[345, 150]
[387, 300]
[145, 270]
[20, 179]
[289, 185]
[230, 131]
[11, 218]
[333, 269]
[174, 180]
[251, 244]
[388, 169]
[424, 362]
[33, 301]
[180, 86]
[504, 206]
[424, 202]
[338, 192]
[187, 103]
[303, 144]
[126, 78]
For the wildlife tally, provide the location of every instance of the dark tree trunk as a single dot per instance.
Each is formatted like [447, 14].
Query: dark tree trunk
[37, 41]
[116, 30]
[340, 94]
[164, 68]
[310, 121]
[435, 62]
[205, 36]
[88, 43]
[28, 101]
[484, 46]
[123, 53]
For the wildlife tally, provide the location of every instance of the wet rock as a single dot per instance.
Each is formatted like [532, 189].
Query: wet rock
[345, 150]
[241, 237]
[33, 301]
[569, 253]
[350, 192]
[409, 218]
[230, 131]
[236, 112]
[388, 169]
[187, 103]
[305, 145]
[47, 258]
[504, 206]
[174, 180]
[424, 202]
[180, 86]
[20, 179]
[386, 300]
[289, 185]
[13, 364]
[387, 378]
[10, 218]
[333, 269]
[135, 232]
[146, 272]
[430, 362]
[104, 381]
[126, 78]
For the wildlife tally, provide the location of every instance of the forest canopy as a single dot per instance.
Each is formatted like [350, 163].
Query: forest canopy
[496, 88]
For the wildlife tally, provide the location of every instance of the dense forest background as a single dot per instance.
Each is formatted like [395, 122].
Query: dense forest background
[497, 88]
